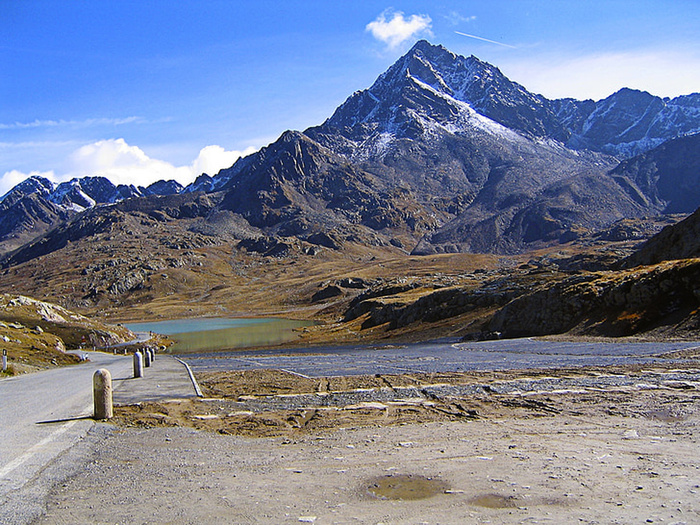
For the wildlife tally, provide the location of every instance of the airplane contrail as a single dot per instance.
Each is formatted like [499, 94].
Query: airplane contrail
[485, 40]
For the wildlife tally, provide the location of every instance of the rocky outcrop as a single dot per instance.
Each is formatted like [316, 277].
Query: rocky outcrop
[400, 304]
[71, 328]
[607, 303]
[679, 241]
[267, 246]
[327, 292]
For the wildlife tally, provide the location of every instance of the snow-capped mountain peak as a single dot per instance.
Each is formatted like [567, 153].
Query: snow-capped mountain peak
[414, 91]
[33, 184]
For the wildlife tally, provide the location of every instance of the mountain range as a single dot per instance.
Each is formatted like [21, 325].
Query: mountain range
[443, 153]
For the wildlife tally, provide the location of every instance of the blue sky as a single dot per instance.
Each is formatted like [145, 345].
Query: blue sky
[150, 89]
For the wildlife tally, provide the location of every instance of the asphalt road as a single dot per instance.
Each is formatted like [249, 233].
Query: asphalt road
[507, 354]
[43, 414]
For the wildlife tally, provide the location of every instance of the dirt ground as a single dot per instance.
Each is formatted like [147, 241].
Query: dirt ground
[267, 403]
[594, 452]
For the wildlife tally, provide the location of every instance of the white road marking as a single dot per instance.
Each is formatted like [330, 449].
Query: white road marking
[35, 449]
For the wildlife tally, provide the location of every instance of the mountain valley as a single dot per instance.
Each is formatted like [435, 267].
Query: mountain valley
[443, 201]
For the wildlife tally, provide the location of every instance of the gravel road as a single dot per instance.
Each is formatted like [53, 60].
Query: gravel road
[510, 468]
[511, 354]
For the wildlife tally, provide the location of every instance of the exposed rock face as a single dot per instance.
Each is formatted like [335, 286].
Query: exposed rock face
[628, 122]
[327, 292]
[23, 217]
[680, 241]
[624, 124]
[532, 216]
[265, 246]
[459, 128]
[608, 303]
[80, 194]
[292, 175]
[83, 227]
[667, 177]
[36, 205]
[163, 187]
[71, 328]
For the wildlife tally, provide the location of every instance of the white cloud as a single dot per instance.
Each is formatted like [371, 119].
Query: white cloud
[664, 73]
[394, 29]
[122, 163]
[73, 123]
[211, 159]
[455, 18]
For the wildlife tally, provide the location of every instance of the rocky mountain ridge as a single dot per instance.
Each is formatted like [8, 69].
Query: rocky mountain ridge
[37, 205]
[442, 153]
[81, 193]
[625, 124]
[680, 241]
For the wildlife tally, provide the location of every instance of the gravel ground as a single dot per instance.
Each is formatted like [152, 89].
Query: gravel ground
[615, 454]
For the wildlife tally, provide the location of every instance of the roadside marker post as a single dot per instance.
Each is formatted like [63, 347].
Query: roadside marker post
[4, 360]
[138, 364]
[102, 394]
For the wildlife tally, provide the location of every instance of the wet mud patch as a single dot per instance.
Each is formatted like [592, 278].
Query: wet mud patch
[664, 415]
[494, 501]
[405, 487]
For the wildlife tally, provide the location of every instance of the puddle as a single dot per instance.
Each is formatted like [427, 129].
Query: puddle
[664, 415]
[494, 501]
[405, 487]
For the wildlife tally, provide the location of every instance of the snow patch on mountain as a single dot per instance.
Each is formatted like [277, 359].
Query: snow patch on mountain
[467, 118]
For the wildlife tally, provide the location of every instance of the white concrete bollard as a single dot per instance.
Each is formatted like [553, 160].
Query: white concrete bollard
[102, 394]
[138, 364]
[146, 358]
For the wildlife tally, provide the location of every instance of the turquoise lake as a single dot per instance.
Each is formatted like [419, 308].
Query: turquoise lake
[212, 334]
